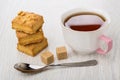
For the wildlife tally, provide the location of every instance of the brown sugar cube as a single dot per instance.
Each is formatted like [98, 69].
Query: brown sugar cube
[33, 49]
[27, 22]
[61, 53]
[47, 57]
[24, 38]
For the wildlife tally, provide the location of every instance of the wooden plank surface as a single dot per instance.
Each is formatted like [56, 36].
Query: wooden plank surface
[109, 65]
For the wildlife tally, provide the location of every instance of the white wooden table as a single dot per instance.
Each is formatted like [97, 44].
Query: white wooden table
[108, 67]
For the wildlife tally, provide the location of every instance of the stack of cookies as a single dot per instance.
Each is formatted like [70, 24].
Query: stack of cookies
[29, 32]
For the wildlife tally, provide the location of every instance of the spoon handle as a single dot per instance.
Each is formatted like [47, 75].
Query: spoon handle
[77, 64]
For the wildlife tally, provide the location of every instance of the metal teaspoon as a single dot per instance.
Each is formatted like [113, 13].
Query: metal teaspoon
[28, 68]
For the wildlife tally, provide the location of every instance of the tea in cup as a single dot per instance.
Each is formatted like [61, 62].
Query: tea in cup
[83, 30]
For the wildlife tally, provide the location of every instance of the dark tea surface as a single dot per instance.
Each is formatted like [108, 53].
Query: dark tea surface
[84, 22]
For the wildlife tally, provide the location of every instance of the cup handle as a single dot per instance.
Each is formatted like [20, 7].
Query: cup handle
[109, 43]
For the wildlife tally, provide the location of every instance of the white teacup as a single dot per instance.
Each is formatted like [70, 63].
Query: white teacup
[85, 42]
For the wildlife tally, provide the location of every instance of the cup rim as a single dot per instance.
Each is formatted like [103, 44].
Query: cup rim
[81, 10]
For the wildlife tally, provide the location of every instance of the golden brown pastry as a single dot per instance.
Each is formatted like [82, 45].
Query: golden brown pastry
[27, 22]
[24, 38]
[33, 49]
